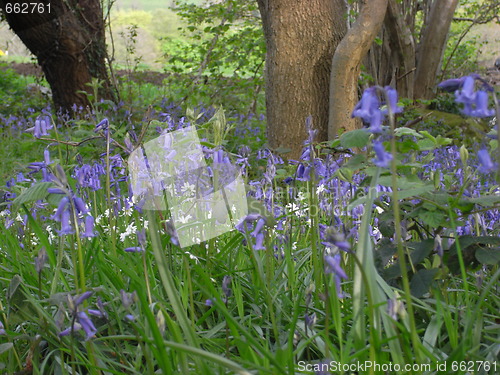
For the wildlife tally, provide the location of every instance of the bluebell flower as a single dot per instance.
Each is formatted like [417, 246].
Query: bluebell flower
[66, 227]
[376, 123]
[46, 156]
[310, 320]
[40, 260]
[335, 239]
[481, 104]
[367, 106]
[486, 164]
[86, 324]
[382, 157]
[303, 172]
[42, 124]
[258, 232]
[226, 282]
[130, 317]
[2, 329]
[89, 227]
[392, 96]
[102, 125]
[467, 93]
[475, 102]
[451, 85]
[134, 249]
[78, 300]
[258, 227]
[333, 266]
[127, 298]
[394, 307]
[259, 242]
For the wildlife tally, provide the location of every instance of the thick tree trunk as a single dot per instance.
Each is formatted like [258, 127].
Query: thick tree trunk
[69, 45]
[346, 65]
[432, 46]
[301, 37]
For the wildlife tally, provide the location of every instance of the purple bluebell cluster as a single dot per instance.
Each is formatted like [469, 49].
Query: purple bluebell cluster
[42, 126]
[68, 205]
[373, 112]
[258, 230]
[475, 102]
[81, 320]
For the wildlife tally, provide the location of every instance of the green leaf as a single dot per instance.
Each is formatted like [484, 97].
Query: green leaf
[486, 200]
[421, 250]
[355, 161]
[488, 255]
[421, 281]
[466, 241]
[414, 192]
[407, 145]
[32, 194]
[407, 131]
[426, 144]
[355, 138]
[442, 141]
[432, 218]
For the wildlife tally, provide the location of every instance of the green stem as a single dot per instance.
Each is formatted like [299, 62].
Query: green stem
[399, 243]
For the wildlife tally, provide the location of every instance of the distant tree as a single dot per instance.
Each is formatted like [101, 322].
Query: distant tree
[67, 37]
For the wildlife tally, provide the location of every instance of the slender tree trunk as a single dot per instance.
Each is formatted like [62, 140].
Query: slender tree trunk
[346, 65]
[301, 37]
[432, 45]
[403, 46]
[69, 45]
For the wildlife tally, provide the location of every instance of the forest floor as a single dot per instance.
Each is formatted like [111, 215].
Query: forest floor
[491, 74]
[153, 77]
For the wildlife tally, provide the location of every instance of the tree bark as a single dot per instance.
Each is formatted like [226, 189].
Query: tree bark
[403, 46]
[301, 37]
[69, 45]
[346, 65]
[432, 46]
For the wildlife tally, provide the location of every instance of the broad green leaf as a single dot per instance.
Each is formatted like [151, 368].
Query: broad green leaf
[466, 241]
[355, 161]
[432, 218]
[486, 200]
[407, 145]
[426, 144]
[407, 131]
[488, 255]
[32, 194]
[355, 138]
[421, 281]
[443, 141]
[414, 192]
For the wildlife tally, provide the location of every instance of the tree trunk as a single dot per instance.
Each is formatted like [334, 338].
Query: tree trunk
[301, 37]
[346, 65]
[69, 45]
[432, 46]
[403, 47]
